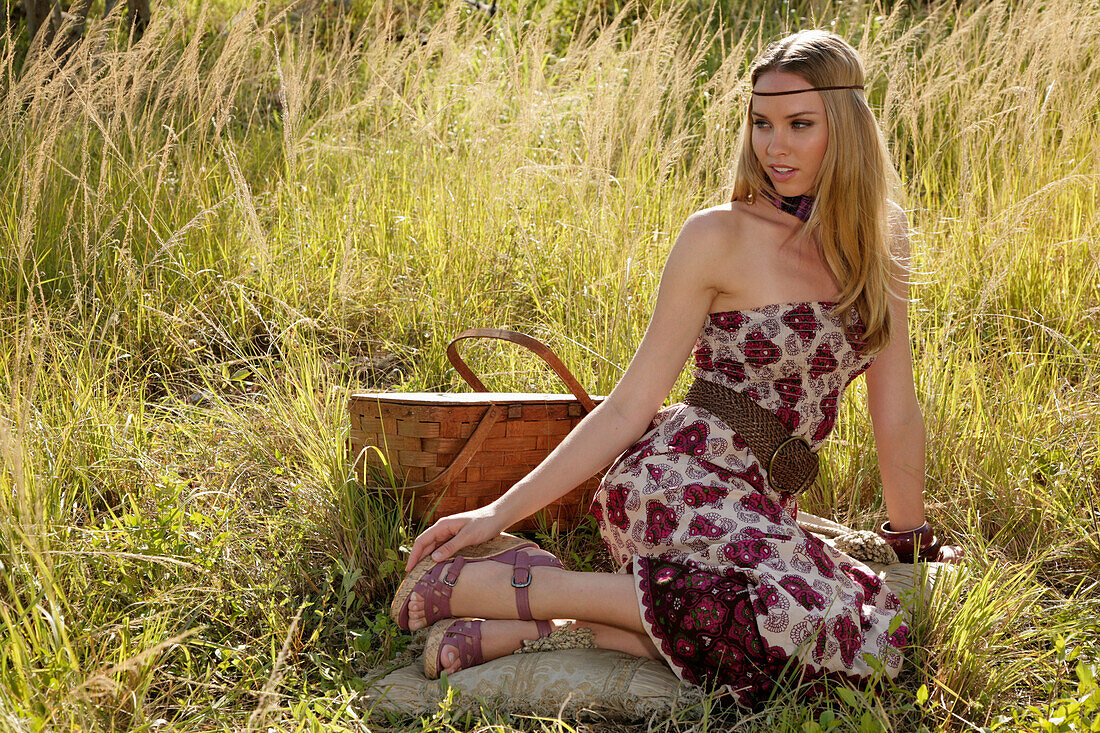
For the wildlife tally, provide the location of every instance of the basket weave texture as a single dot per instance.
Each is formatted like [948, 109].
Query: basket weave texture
[455, 452]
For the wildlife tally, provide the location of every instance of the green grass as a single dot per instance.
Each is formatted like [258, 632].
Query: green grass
[207, 239]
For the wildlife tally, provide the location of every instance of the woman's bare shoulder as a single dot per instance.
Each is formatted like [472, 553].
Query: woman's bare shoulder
[728, 213]
[711, 243]
[721, 229]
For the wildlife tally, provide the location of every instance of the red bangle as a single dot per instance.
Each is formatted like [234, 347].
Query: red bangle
[922, 540]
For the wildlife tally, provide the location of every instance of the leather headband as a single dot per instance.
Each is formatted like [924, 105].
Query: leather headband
[799, 91]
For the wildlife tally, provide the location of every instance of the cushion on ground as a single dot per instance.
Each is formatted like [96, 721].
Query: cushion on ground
[590, 683]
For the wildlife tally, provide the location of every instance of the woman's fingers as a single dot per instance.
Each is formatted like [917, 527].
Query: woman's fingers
[427, 542]
[414, 554]
[449, 548]
[419, 549]
[449, 535]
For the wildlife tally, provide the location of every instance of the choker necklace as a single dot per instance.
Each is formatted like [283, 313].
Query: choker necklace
[795, 205]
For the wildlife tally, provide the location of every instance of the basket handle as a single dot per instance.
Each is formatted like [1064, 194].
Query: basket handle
[491, 417]
[531, 344]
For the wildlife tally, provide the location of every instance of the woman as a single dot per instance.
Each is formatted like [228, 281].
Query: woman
[785, 294]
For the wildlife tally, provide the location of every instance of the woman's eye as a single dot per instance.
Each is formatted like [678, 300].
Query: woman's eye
[801, 123]
[759, 123]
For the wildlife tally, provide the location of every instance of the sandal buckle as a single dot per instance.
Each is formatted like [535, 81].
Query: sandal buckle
[521, 583]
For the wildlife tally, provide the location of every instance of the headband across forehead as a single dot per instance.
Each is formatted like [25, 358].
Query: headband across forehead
[811, 89]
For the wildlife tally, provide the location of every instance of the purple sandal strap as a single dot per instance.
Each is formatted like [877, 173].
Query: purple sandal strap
[521, 579]
[465, 636]
[435, 591]
[453, 570]
[522, 562]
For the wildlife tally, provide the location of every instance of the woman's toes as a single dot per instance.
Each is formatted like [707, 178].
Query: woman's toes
[416, 612]
[449, 657]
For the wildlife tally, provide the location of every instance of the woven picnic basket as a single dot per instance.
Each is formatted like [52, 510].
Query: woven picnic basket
[459, 451]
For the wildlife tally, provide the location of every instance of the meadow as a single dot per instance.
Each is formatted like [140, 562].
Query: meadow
[210, 236]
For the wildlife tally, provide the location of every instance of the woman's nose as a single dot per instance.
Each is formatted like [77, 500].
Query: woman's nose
[777, 143]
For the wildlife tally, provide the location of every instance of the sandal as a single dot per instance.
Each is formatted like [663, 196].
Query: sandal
[464, 634]
[427, 578]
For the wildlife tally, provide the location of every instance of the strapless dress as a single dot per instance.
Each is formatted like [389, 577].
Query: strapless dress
[731, 590]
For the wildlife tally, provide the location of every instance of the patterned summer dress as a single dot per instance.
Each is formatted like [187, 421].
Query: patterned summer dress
[732, 591]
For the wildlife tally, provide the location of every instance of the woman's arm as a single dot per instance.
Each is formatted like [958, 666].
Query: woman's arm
[688, 285]
[892, 401]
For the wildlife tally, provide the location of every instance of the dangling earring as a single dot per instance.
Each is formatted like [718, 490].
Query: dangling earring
[749, 199]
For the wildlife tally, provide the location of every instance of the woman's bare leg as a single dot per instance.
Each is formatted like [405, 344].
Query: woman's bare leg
[484, 590]
[500, 637]
[636, 643]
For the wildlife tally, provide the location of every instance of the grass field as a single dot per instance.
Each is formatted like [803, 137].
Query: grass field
[210, 236]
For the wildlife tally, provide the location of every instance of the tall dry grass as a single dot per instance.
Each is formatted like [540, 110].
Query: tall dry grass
[210, 235]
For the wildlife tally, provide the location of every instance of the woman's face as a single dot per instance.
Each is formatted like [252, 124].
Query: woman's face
[789, 132]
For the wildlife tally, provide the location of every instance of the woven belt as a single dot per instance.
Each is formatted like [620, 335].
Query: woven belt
[791, 465]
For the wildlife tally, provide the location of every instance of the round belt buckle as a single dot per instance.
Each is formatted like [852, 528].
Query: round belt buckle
[791, 441]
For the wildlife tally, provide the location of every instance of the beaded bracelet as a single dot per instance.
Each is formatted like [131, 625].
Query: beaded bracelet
[922, 539]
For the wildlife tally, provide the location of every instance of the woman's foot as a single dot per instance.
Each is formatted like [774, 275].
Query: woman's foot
[497, 638]
[499, 570]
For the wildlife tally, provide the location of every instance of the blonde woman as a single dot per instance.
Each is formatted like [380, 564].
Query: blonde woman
[781, 296]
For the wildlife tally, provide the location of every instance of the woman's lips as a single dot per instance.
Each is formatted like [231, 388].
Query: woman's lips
[783, 176]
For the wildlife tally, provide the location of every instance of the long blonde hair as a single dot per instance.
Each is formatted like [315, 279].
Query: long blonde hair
[849, 216]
